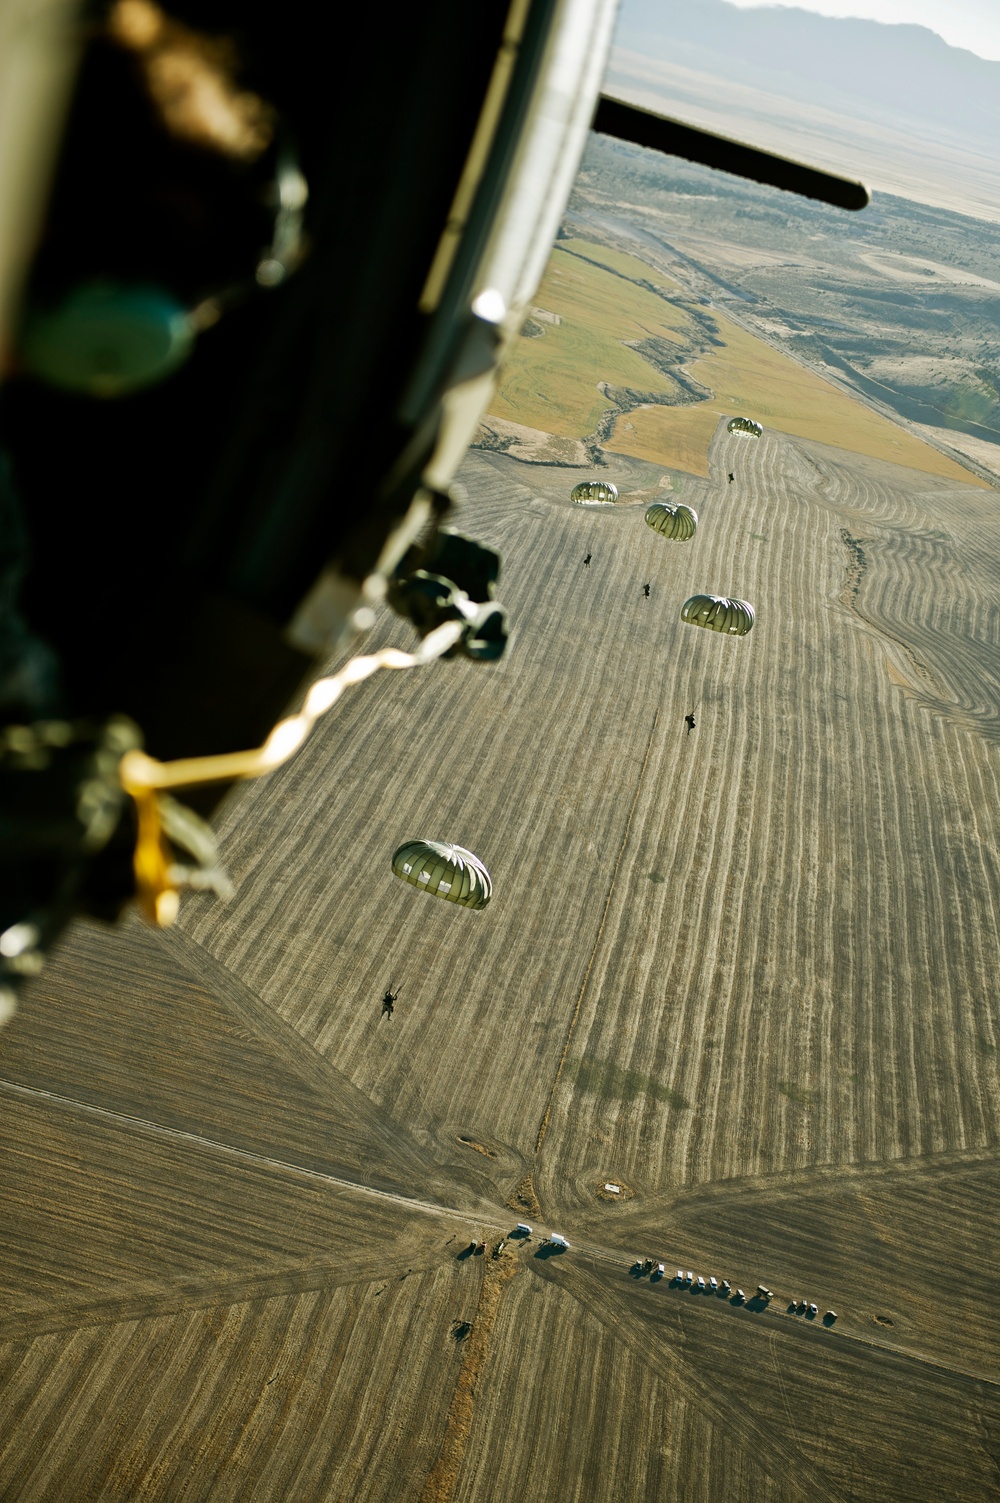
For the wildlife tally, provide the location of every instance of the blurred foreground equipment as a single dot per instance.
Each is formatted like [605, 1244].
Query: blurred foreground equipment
[255, 285]
[253, 264]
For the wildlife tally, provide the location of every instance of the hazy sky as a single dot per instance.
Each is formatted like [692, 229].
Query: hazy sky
[974, 24]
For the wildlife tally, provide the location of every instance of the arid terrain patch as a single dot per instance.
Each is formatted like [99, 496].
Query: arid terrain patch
[747, 972]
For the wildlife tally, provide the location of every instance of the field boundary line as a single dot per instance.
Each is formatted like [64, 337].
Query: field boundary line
[613, 1258]
[815, 1180]
[543, 1126]
[178, 1297]
[795, 1328]
[475, 1218]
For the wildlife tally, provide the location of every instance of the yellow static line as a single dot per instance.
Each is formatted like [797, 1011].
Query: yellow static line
[143, 777]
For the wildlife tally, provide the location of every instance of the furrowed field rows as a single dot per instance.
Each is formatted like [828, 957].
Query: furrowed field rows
[898, 1252]
[526, 764]
[846, 1421]
[100, 1209]
[570, 1405]
[746, 973]
[794, 824]
[260, 1400]
[810, 981]
[934, 555]
[199, 1055]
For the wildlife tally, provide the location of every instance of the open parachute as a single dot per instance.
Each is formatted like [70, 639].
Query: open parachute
[719, 613]
[594, 491]
[448, 871]
[678, 522]
[746, 426]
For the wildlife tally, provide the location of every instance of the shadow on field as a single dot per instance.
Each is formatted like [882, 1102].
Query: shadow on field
[735, 1299]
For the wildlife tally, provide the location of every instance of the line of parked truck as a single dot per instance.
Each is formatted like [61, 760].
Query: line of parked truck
[723, 1289]
[643, 1267]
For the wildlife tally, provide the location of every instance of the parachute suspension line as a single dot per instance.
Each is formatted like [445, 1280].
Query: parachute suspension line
[144, 778]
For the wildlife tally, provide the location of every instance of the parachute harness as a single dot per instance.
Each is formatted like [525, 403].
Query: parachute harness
[146, 780]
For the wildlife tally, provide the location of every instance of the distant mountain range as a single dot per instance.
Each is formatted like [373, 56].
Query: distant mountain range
[894, 105]
[842, 65]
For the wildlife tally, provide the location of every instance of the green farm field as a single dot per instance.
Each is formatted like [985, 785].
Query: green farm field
[606, 301]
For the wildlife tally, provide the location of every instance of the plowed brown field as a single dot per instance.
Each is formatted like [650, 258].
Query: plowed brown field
[747, 973]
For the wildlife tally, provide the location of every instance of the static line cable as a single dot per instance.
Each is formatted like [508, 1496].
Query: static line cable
[145, 779]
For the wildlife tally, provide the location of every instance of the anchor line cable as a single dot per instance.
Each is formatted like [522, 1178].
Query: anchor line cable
[144, 777]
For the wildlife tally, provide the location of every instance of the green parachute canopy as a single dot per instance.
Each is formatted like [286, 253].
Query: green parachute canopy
[594, 490]
[746, 426]
[448, 871]
[678, 522]
[719, 613]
